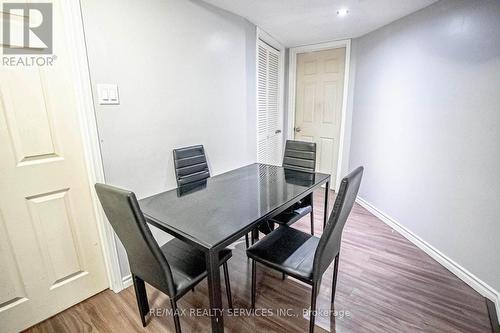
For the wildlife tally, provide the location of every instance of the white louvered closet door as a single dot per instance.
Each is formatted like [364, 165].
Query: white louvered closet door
[269, 115]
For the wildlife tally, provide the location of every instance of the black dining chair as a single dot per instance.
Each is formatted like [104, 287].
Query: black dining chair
[304, 256]
[191, 167]
[174, 268]
[299, 156]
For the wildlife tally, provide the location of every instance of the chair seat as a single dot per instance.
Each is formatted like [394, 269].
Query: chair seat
[287, 250]
[187, 263]
[290, 216]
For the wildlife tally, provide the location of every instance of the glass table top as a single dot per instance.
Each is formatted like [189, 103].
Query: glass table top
[212, 211]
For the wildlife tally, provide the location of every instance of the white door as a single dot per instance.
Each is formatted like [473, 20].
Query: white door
[318, 104]
[269, 114]
[50, 254]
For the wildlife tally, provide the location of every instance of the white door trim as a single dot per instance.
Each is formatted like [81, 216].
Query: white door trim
[294, 51]
[265, 37]
[90, 139]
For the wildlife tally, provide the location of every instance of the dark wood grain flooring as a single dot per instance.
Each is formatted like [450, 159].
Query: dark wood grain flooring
[385, 284]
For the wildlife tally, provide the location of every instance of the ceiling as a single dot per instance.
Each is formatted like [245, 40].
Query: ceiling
[301, 22]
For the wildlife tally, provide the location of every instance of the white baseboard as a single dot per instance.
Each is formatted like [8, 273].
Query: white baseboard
[463, 274]
[127, 281]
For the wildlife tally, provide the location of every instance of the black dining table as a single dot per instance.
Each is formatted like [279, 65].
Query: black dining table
[211, 215]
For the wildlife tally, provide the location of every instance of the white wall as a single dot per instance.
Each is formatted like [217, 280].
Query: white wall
[186, 75]
[426, 126]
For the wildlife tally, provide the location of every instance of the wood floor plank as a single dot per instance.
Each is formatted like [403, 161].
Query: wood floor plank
[385, 284]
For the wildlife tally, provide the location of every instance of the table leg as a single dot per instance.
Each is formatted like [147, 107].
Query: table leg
[212, 260]
[325, 216]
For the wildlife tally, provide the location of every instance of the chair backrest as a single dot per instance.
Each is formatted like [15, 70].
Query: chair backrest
[144, 255]
[329, 244]
[300, 156]
[190, 165]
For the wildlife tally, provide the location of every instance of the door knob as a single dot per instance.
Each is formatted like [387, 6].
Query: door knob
[278, 131]
[297, 129]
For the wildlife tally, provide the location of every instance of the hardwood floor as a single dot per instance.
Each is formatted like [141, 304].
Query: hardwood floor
[385, 284]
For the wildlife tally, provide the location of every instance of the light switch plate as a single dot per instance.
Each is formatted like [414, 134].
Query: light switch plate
[107, 94]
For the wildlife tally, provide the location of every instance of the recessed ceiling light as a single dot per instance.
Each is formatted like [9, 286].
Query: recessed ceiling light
[342, 12]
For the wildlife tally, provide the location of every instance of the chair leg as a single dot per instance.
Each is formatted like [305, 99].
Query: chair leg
[177, 322]
[255, 235]
[228, 286]
[335, 274]
[254, 278]
[142, 298]
[312, 213]
[247, 241]
[314, 294]
[312, 222]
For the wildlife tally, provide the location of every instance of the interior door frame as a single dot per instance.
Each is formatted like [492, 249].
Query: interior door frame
[292, 70]
[270, 40]
[89, 135]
